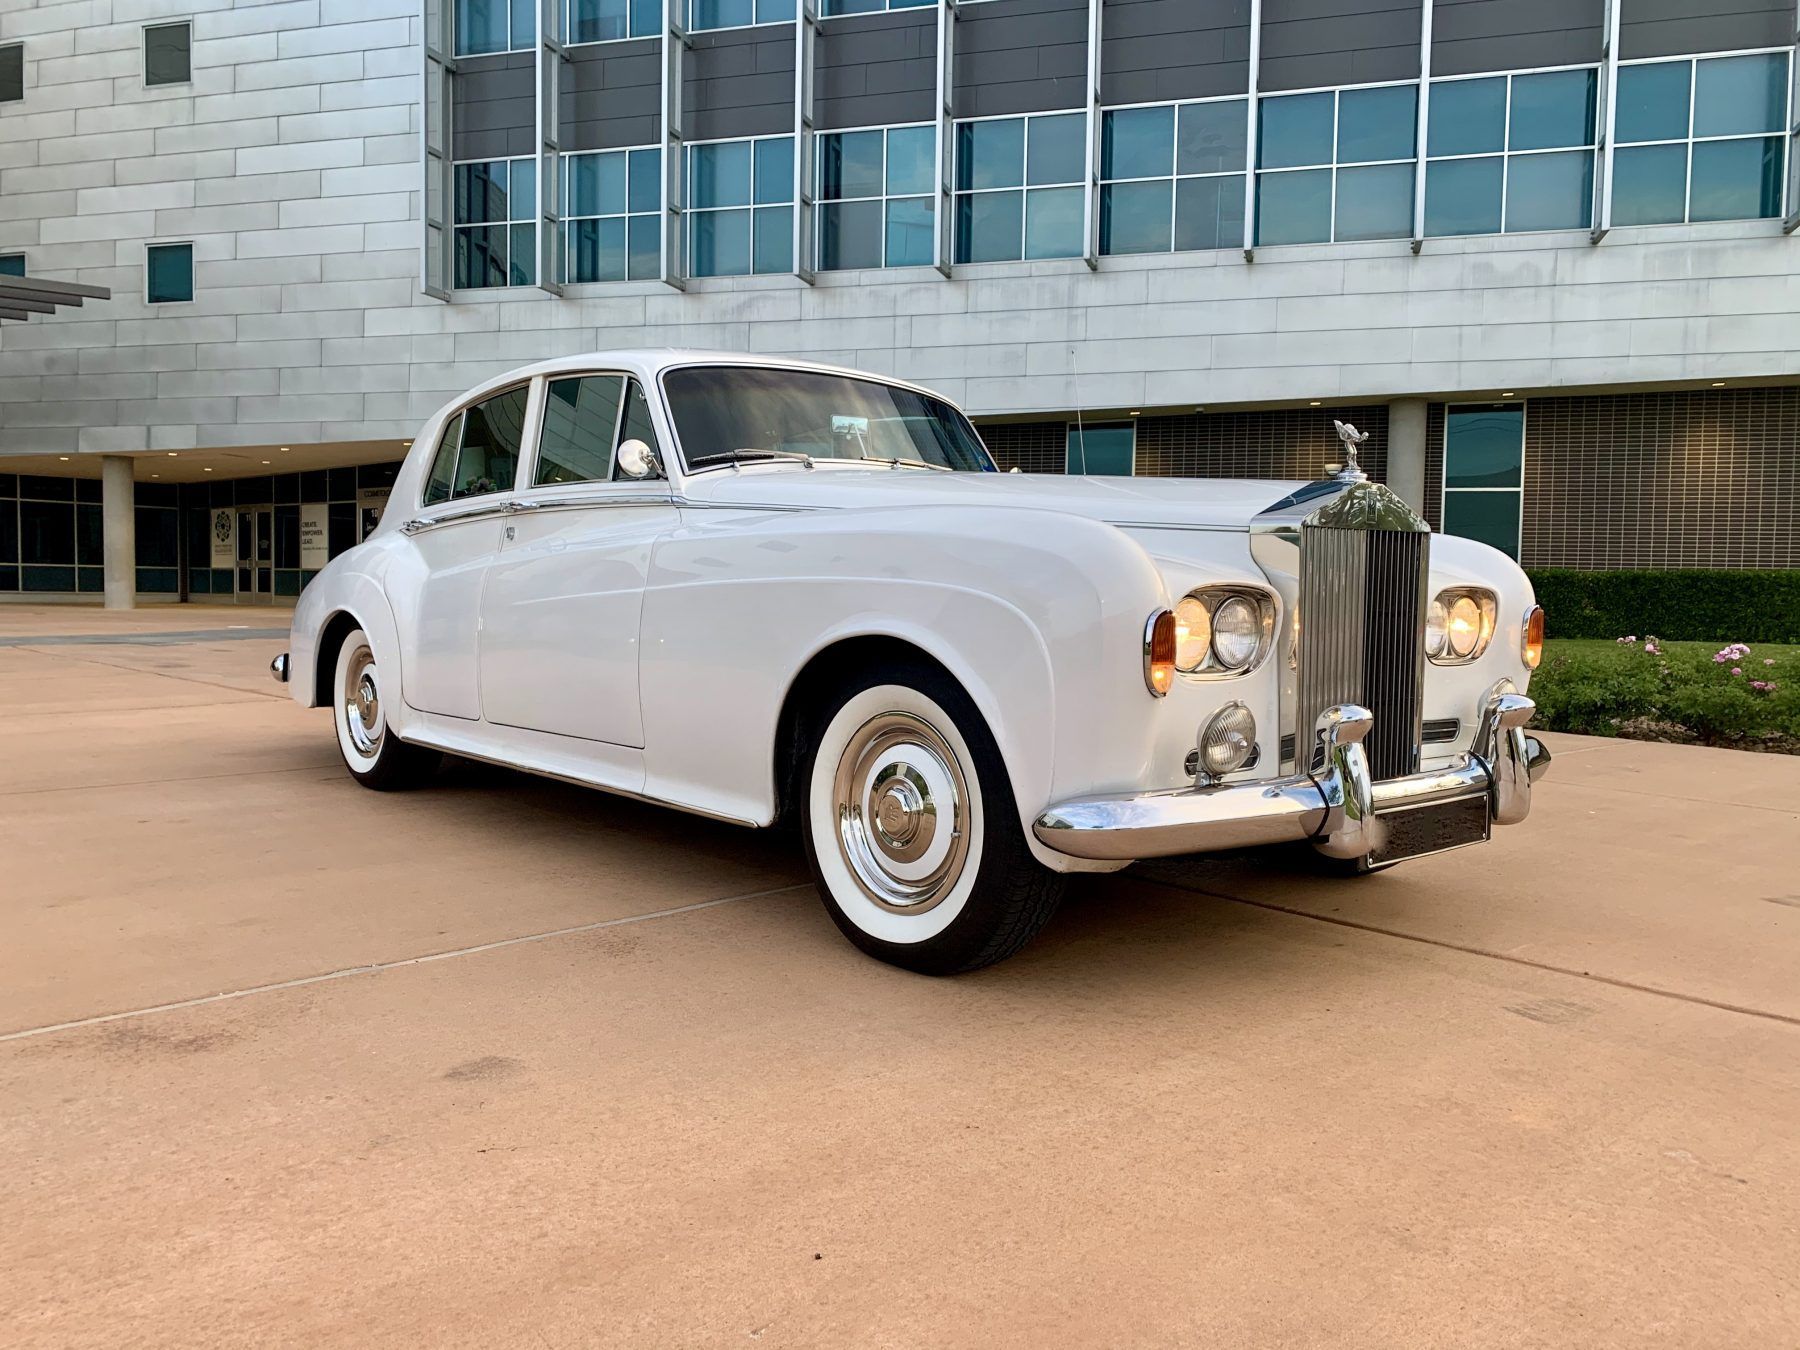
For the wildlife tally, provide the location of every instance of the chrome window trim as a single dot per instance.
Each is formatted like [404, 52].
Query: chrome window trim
[527, 442]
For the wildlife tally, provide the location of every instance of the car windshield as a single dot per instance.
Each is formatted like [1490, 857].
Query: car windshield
[738, 414]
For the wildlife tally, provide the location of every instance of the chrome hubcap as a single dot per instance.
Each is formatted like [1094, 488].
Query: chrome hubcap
[362, 703]
[902, 809]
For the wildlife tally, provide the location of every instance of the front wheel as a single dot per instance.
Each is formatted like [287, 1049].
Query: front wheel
[911, 828]
[375, 756]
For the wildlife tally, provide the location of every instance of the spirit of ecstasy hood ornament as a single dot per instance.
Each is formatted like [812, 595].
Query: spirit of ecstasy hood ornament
[1350, 471]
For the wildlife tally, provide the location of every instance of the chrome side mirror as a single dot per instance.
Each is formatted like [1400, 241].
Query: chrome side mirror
[638, 460]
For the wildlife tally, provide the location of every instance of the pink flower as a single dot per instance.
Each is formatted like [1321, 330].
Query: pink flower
[1737, 670]
[1763, 686]
[1768, 660]
[1627, 641]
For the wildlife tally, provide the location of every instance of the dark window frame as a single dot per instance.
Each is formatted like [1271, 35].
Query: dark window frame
[18, 47]
[144, 42]
[151, 248]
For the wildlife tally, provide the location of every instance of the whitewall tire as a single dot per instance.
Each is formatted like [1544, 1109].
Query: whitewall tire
[375, 756]
[911, 829]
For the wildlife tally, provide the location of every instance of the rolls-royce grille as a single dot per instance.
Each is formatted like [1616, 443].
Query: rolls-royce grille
[1362, 628]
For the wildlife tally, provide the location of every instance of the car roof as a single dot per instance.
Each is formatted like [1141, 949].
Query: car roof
[650, 362]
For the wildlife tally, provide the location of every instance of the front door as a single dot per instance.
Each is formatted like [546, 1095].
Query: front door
[561, 606]
[256, 555]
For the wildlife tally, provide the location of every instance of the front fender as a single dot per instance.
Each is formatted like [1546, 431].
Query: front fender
[1039, 615]
[346, 585]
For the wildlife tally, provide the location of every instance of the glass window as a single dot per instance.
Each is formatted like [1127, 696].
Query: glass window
[443, 464]
[1137, 143]
[833, 8]
[1172, 177]
[740, 216]
[1550, 192]
[12, 264]
[1551, 111]
[1104, 448]
[614, 215]
[488, 457]
[168, 53]
[738, 13]
[495, 223]
[495, 26]
[1296, 131]
[168, 273]
[1337, 165]
[12, 72]
[46, 532]
[1484, 458]
[1511, 152]
[1019, 192]
[1376, 125]
[721, 409]
[1740, 95]
[1653, 101]
[581, 424]
[1468, 117]
[611, 20]
[1736, 179]
[1649, 183]
[863, 218]
[1464, 196]
[1717, 155]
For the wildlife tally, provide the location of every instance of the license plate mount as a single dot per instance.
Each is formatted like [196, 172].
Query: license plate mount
[1420, 831]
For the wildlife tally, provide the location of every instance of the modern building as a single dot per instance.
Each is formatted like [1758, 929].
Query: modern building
[1541, 250]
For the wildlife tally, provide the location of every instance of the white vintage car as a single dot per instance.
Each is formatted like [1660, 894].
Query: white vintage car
[762, 590]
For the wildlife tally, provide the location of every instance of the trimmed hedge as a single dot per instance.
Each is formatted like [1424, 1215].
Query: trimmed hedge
[1686, 605]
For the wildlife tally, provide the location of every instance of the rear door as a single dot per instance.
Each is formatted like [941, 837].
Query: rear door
[454, 536]
[561, 607]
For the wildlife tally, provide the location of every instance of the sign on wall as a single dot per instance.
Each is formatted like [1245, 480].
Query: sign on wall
[224, 536]
[315, 536]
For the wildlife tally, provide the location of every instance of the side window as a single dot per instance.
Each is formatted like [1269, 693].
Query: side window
[581, 417]
[492, 432]
[636, 424]
[443, 464]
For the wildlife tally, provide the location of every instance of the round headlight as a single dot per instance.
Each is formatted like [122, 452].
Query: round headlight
[1437, 620]
[1227, 740]
[1193, 634]
[1237, 633]
[1464, 629]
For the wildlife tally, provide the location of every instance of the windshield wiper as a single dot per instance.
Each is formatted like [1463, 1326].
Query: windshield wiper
[894, 462]
[736, 457]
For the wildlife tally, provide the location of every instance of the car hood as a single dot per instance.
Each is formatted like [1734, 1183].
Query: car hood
[1215, 503]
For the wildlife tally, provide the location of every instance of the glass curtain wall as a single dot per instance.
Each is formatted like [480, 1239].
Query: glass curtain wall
[495, 226]
[1701, 139]
[613, 230]
[1019, 187]
[1336, 165]
[740, 215]
[875, 204]
[1511, 152]
[1172, 177]
[1484, 473]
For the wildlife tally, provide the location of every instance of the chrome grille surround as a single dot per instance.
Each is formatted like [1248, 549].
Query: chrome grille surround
[1364, 572]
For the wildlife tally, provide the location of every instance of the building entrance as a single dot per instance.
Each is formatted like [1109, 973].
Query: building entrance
[255, 555]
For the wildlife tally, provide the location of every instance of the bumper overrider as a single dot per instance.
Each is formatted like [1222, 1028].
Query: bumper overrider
[1337, 806]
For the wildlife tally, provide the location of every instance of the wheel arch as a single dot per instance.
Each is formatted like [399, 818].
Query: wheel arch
[828, 666]
[332, 633]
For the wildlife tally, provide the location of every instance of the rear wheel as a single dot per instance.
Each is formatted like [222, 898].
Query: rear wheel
[911, 827]
[375, 756]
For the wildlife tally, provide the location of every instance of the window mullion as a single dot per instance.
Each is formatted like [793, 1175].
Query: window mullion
[1422, 124]
[1252, 156]
[1791, 221]
[1608, 120]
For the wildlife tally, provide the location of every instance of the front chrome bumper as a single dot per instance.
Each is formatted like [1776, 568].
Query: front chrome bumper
[1337, 806]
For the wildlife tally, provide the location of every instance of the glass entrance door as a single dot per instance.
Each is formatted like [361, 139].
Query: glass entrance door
[256, 555]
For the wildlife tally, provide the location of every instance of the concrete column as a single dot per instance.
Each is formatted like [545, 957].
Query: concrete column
[1406, 451]
[118, 524]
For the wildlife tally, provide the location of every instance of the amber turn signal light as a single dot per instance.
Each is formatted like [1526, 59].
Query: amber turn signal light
[1159, 652]
[1532, 647]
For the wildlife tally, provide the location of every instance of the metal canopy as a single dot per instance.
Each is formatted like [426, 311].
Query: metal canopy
[21, 297]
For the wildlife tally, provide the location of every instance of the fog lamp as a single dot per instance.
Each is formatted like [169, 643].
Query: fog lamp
[1227, 740]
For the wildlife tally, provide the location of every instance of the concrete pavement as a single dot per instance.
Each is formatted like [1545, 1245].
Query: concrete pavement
[504, 1062]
